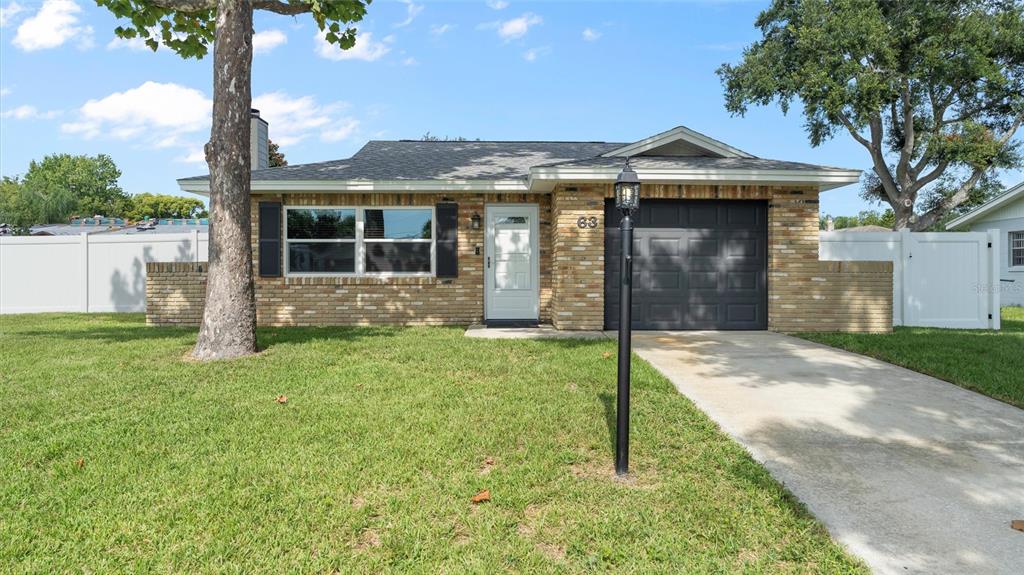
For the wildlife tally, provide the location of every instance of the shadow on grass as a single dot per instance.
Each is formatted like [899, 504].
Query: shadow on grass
[608, 400]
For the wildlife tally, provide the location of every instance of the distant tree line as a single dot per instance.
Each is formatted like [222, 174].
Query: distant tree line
[884, 219]
[62, 186]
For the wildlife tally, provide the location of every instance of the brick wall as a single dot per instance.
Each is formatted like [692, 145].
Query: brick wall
[578, 258]
[365, 300]
[834, 296]
[394, 301]
[175, 292]
[803, 293]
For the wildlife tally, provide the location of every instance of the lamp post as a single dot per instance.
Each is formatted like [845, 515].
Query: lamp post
[627, 199]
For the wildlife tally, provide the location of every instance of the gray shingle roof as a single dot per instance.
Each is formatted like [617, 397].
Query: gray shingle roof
[689, 162]
[416, 160]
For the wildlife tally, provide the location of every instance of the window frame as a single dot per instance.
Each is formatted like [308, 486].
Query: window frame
[360, 242]
[1010, 248]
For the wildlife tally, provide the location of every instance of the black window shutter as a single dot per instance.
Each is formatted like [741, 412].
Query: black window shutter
[270, 239]
[447, 226]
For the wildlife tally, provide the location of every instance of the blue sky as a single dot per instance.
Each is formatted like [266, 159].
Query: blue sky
[612, 71]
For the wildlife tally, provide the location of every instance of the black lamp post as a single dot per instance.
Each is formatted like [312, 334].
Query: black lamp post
[627, 199]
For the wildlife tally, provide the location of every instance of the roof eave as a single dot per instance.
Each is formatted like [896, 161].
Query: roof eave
[987, 207]
[544, 180]
[404, 186]
[823, 179]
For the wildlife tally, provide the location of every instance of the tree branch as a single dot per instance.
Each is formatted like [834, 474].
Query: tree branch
[282, 7]
[853, 131]
[928, 218]
[277, 6]
[908, 137]
[963, 192]
[878, 159]
[929, 177]
[186, 5]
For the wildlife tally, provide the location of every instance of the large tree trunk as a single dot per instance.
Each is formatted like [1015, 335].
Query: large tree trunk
[904, 215]
[229, 319]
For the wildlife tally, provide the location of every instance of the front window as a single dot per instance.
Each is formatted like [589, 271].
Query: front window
[1017, 249]
[398, 240]
[359, 241]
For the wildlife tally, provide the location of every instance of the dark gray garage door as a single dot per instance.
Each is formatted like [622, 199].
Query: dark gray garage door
[699, 264]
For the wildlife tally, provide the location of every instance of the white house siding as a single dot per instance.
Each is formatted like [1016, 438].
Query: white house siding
[1003, 220]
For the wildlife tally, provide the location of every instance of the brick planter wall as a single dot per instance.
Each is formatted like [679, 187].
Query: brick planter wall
[175, 293]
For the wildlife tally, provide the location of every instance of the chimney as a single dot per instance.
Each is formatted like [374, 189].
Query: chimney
[258, 144]
[830, 224]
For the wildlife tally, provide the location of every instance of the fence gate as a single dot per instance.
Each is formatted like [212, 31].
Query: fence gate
[941, 279]
[946, 279]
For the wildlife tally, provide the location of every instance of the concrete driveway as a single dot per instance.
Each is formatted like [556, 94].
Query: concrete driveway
[912, 474]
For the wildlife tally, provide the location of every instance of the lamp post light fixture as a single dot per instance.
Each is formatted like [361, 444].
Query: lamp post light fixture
[474, 221]
[627, 200]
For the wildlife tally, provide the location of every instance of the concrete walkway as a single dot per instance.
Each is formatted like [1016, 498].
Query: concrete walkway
[912, 474]
[539, 332]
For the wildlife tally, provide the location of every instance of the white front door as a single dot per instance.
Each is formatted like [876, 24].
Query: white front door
[512, 262]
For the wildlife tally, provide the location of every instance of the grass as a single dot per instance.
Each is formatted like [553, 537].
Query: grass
[989, 362]
[118, 456]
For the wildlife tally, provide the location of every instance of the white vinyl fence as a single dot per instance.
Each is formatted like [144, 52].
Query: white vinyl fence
[90, 273]
[942, 279]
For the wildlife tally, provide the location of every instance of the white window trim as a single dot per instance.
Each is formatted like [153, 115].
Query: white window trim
[360, 242]
[1009, 249]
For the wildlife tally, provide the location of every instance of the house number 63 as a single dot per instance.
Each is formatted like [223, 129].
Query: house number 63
[585, 222]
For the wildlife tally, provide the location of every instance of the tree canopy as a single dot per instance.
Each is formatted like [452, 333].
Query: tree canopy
[188, 26]
[932, 89]
[277, 159]
[60, 186]
[158, 206]
[864, 218]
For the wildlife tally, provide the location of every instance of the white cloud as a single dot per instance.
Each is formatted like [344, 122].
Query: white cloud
[195, 155]
[9, 12]
[532, 54]
[441, 29]
[171, 116]
[411, 11]
[497, 4]
[292, 120]
[518, 27]
[410, 61]
[5, 91]
[267, 40]
[137, 44]
[26, 112]
[55, 23]
[160, 115]
[340, 130]
[590, 35]
[365, 48]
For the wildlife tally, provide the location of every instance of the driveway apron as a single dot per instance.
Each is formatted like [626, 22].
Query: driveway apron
[912, 474]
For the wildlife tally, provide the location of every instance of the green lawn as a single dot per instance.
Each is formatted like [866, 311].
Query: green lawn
[989, 362]
[118, 456]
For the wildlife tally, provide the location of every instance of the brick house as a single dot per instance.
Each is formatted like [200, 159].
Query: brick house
[415, 232]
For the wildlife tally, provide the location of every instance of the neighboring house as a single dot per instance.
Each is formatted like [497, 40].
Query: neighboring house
[1004, 213]
[419, 232]
[118, 226]
[167, 226]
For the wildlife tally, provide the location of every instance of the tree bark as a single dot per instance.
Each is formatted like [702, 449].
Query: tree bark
[229, 319]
